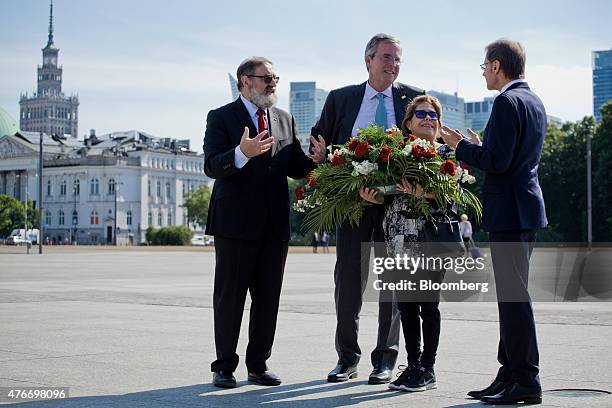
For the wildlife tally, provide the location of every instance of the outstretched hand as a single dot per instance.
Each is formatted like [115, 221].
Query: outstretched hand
[318, 152]
[451, 137]
[255, 146]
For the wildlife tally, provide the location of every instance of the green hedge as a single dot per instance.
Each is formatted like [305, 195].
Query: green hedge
[173, 235]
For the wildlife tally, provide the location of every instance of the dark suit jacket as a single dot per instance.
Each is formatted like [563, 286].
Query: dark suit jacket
[342, 107]
[254, 200]
[510, 156]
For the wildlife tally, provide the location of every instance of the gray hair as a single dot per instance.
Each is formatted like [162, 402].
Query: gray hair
[248, 67]
[377, 39]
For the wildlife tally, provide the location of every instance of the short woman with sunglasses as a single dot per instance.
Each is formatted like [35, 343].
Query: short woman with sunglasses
[403, 234]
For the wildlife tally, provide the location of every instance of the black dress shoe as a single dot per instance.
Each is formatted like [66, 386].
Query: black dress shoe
[224, 379]
[380, 375]
[342, 372]
[265, 378]
[495, 388]
[515, 393]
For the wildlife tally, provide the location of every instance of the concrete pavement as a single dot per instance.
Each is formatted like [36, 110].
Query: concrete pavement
[131, 328]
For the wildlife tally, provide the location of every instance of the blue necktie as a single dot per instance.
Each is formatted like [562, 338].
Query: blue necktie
[381, 111]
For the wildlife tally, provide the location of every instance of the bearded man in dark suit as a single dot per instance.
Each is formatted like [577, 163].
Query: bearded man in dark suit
[249, 215]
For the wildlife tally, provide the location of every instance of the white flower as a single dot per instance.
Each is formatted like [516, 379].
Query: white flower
[468, 178]
[365, 168]
[421, 142]
[407, 150]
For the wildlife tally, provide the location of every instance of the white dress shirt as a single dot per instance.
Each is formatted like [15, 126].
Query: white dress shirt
[239, 158]
[369, 104]
[509, 84]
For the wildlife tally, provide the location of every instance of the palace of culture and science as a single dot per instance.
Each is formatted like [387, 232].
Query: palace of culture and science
[128, 179]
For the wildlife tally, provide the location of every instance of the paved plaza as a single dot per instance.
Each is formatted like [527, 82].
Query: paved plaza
[133, 328]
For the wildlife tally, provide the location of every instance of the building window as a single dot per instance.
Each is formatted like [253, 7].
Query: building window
[47, 217]
[94, 187]
[158, 188]
[129, 218]
[77, 187]
[95, 219]
[49, 190]
[184, 189]
[168, 190]
[61, 218]
[63, 188]
[149, 188]
[159, 219]
[170, 217]
[150, 219]
[111, 187]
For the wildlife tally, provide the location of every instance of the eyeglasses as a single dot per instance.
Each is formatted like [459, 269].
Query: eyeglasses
[421, 114]
[484, 66]
[266, 78]
[388, 59]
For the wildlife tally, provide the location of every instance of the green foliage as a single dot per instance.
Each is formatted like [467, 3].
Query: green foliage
[12, 215]
[602, 177]
[563, 176]
[173, 235]
[196, 203]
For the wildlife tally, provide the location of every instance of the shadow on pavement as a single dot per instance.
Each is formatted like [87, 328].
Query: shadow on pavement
[206, 395]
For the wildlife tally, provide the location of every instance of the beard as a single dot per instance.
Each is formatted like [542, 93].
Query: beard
[263, 100]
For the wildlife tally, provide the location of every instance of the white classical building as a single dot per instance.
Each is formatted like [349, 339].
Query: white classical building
[138, 178]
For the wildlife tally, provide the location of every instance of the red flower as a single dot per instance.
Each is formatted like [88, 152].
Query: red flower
[337, 160]
[431, 152]
[353, 144]
[418, 151]
[312, 182]
[385, 154]
[448, 167]
[299, 193]
[362, 150]
[390, 131]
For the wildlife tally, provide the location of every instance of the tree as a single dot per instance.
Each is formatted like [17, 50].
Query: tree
[196, 204]
[602, 176]
[12, 215]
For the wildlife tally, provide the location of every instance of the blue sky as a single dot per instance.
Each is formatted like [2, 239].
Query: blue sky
[160, 66]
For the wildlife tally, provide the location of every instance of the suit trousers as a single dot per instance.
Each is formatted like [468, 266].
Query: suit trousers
[518, 347]
[350, 277]
[241, 266]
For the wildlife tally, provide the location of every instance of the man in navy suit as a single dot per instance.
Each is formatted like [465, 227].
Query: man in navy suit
[382, 101]
[513, 212]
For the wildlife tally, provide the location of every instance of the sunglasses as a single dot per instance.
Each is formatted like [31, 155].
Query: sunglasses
[421, 114]
[266, 78]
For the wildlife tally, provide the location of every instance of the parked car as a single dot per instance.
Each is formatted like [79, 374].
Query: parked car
[198, 240]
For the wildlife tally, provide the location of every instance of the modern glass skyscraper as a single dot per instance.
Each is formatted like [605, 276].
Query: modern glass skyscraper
[477, 113]
[233, 86]
[305, 104]
[453, 114]
[602, 80]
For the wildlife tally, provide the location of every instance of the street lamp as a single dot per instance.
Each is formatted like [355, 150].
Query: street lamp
[115, 188]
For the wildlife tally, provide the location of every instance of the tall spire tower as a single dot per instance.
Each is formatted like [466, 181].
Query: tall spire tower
[49, 110]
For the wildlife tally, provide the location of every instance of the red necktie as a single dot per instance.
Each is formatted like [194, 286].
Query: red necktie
[262, 124]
